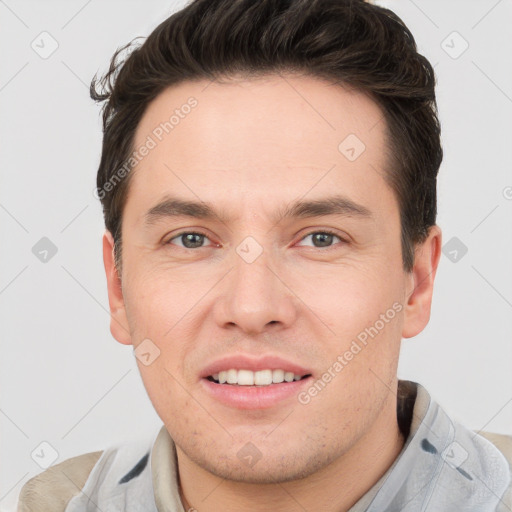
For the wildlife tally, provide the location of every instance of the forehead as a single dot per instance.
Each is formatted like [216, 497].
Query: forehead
[238, 107]
[272, 137]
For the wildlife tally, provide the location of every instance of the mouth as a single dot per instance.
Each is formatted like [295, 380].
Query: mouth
[260, 378]
[244, 382]
[262, 389]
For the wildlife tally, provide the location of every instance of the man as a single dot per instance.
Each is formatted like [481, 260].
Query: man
[268, 181]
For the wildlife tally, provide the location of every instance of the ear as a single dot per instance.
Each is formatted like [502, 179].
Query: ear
[118, 319]
[421, 284]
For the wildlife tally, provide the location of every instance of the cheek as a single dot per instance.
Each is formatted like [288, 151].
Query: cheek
[349, 296]
[363, 311]
[156, 303]
[161, 307]
[162, 384]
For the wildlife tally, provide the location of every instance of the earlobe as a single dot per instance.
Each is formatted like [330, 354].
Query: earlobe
[118, 319]
[418, 299]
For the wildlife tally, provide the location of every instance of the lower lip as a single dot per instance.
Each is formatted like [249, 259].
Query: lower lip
[254, 397]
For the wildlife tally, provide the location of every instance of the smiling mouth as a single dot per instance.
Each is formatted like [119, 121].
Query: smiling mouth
[259, 378]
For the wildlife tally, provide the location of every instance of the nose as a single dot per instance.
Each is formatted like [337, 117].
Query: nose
[255, 295]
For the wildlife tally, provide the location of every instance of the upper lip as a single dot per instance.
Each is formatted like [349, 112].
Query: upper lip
[244, 362]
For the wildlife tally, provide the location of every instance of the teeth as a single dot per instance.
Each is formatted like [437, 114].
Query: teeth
[263, 377]
[288, 376]
[250, 378]
[277, 376]
[231, 377]
[244, 377]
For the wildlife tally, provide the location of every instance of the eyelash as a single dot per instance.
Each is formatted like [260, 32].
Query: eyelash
[323, 231]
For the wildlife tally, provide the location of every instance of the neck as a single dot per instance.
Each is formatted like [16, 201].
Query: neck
[336, 487]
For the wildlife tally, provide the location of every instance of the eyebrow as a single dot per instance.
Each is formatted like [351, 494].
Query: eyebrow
[333, 205]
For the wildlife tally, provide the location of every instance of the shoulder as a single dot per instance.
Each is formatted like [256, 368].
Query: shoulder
[107, 478]
[503, 442]
[65, 480]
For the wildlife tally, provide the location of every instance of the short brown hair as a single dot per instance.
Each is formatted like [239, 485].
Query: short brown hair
[350, 42]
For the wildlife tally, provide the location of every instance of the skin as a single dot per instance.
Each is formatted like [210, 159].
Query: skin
[249, 148]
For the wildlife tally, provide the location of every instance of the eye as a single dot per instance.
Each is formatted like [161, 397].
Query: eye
[195, 239]
[323, 238]
[189, 239]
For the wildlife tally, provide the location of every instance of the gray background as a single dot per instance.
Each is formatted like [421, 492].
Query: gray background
[65, 381]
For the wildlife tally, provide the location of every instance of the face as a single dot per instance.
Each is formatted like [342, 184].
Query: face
[317, 289]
